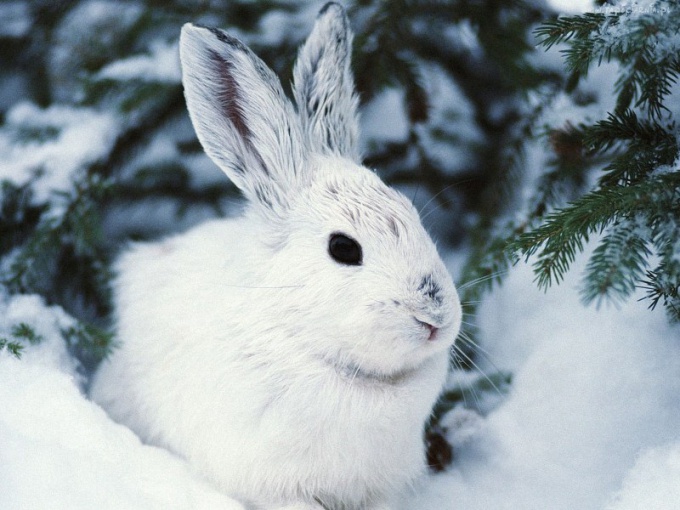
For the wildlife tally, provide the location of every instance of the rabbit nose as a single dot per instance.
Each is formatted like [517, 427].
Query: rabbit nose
[432, 329]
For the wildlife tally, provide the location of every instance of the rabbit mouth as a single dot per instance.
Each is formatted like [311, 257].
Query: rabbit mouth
[353, 373]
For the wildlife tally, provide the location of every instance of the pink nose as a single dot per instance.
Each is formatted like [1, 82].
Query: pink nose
[433, 329]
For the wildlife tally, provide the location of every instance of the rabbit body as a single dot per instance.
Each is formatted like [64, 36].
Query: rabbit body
[284, 374]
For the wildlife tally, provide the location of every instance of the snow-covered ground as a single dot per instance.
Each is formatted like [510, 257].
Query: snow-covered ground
[593, 417]
[591, 421]
[60, 451]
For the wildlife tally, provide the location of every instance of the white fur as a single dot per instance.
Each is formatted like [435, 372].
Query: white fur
[288, 379]
[324, 87]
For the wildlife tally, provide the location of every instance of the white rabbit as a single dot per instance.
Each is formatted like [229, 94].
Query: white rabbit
[293, 354]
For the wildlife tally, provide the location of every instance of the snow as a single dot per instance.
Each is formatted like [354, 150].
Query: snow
[463, 36]
[383, 119]
[89, 30]
[653, 481]
[160, 65]
[592, 390]
[450, 134]
[60, 451]
[16, 19]
[51, 146]
[280, 25]
[591, 421]
[665, 46]
[571, 6]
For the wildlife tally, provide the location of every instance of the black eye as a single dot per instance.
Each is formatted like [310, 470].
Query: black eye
[344, 250]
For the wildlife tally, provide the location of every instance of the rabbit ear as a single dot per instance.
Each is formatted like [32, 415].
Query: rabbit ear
[324, 86]
[242, 117]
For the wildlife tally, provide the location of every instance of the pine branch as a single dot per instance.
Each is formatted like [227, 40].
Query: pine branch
[565, 178]
[566, 28]
[14, 348]
[626, 126]
[23, 331]
[660, 287]
[21, 334]
[71, 239]
[617, 264]
[89, 343]
[564, 232]
[645, 78]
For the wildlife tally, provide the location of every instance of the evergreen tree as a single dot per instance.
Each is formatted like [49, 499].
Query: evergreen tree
[97, 149]
[632, 209]
[614, 180]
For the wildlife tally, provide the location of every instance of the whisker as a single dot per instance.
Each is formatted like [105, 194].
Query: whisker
[457, 374]
[445, 188]
[351, 356]
[430, 213]
[468, 319]
[482, 279]
[467, 387]
[422, 219]
[464, 337]
[354, 375]
[472, 303]
[415, 195]
[262, 286]
[476, 367]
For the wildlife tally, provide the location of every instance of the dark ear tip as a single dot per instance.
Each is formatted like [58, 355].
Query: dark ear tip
[224, 37]
[194, 30]
[334, 8]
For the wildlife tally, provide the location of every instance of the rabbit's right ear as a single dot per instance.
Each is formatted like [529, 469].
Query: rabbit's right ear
[241, 116]
[324, 86]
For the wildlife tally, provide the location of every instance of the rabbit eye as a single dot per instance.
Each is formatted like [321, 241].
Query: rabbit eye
[344, 250]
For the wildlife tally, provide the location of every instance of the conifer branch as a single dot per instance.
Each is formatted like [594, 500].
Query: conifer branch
[564, 232]
[617, 264]
[566, 28]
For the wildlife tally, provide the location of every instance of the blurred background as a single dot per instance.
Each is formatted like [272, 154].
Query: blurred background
[539, 131]
[95, 126]
[462, 108]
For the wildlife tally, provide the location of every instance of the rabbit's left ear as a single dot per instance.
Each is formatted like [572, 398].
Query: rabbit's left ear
[242, 118]
[324, 86]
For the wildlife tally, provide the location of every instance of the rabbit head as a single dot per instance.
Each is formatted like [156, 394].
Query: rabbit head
[365, 289]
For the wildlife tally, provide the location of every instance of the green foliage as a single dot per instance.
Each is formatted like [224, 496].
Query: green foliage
[633, 208]
[615, 180]
[90, 344]
[71, 242]
[392, 47]
[23, 331]
[12, 347]
[20, 335]
[647, 71]
[473, 391]
[60, 246]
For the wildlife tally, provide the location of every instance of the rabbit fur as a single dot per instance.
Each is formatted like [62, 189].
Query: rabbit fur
[287, 378]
